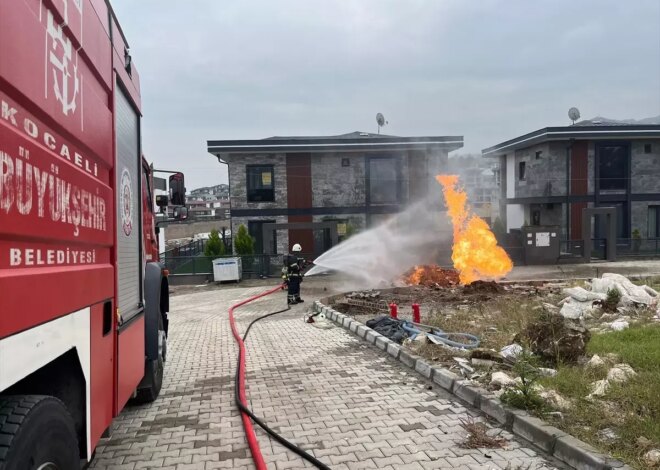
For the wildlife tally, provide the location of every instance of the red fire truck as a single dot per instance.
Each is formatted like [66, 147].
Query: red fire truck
[83, 298]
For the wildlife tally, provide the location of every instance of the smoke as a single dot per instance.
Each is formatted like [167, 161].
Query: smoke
[378, 256]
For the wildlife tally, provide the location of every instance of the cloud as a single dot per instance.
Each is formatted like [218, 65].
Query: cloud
[488, 70]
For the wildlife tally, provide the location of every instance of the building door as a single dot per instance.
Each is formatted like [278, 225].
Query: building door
[255, 229]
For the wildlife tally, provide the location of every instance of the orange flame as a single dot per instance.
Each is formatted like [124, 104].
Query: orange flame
[431, 275]
[475, 253]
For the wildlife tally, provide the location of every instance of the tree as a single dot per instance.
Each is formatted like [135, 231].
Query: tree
[244, 242]
[215, 246]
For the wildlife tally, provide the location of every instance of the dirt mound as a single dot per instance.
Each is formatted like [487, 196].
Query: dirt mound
[431, 276]
[555, 339]
[483, 287]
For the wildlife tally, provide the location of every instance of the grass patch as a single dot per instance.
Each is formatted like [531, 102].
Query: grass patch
[496, 322]
[631, 409]
[639, 346]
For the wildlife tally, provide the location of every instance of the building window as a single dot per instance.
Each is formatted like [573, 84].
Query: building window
[521, 171]
[654, 221]
[498, 176]
[345, 162]
[538, 154]
[648, 148]
[260, 184]
[536, 218]
[383, 181]
[613, 167]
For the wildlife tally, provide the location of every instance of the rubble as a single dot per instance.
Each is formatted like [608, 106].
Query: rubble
[464, 366]
[555, 400]
[482, 362]
[620, 373]
[608, 435]
[595, 362]
[486, 354]
[644, 442]
[581, 303]
[631, 294]
[619, 325]
[511, 352]
[502, 380]
[545, 372]
[599, 388]
[652, 458]
[366, 295]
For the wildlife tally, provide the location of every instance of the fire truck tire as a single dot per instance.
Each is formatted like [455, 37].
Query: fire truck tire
[154, 371]
[37, 432]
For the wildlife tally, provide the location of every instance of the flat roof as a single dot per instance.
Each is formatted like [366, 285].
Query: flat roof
[577, 132]
[344, 143]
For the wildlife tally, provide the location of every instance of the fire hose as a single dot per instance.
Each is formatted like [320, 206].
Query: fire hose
[240, 397]
[471, 341]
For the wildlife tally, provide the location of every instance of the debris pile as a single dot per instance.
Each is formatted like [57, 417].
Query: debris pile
[431, 276]
[479, 287]
[557, 339]
[364, 295]
[582, 303]
[619, 373]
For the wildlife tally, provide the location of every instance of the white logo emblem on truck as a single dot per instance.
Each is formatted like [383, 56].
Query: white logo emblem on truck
[66, 83]
[126, 202]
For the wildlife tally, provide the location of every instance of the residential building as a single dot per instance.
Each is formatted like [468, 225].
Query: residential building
[356, 180]
[550, 175]
[208, 208]
[219, 191]
[478, 177]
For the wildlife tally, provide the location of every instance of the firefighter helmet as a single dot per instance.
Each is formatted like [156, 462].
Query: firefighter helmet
[296, 247]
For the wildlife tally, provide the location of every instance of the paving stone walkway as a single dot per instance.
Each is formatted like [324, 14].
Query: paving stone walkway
[346, 402]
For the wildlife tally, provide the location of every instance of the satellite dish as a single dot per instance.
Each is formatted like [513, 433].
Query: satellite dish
[380, 119]
[574, 114]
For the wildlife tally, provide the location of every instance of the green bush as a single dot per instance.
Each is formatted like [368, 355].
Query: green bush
[244, 243]
[215, 246]
[524, 395]
[612, 301]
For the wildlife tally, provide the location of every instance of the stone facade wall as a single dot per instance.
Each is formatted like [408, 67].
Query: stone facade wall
[238, 180]
[334, 185]
[645, 167]
[545, 176]
[639, 216]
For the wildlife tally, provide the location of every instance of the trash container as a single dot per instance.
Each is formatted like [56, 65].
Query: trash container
[227, 269]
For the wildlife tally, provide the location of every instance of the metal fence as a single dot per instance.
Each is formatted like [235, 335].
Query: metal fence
[625, 248]
[254, 266]
[638, 247]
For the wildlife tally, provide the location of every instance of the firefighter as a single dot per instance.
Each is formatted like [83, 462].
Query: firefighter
[292, 274]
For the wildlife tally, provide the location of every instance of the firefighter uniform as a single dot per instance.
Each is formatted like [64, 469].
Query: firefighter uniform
[292, 275]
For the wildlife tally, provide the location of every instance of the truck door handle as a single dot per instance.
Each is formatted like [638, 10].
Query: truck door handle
[107, 317]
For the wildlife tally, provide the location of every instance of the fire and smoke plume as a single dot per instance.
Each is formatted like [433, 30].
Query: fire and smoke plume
[475, 252]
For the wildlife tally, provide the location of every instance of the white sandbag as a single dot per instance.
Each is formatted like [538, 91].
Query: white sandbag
[583, 295]
[638, 294]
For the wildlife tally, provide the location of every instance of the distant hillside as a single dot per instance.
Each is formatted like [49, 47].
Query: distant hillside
[603, 121]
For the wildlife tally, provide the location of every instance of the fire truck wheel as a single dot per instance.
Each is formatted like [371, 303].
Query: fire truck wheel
[154, 369]
[36, 433]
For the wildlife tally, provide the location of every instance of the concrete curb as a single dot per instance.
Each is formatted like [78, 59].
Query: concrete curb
[566, 448]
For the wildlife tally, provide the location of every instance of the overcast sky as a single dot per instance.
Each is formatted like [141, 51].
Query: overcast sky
[489, 70]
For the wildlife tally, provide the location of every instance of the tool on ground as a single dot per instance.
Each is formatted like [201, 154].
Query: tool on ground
[241, 400]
